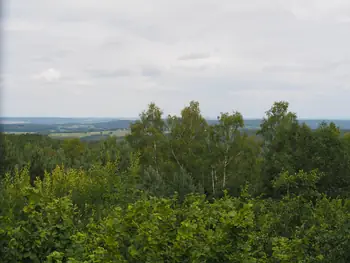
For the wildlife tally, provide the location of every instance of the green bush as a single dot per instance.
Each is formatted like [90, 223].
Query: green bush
[74, 216]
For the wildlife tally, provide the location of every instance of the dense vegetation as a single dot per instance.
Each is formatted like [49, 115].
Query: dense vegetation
[179, 190]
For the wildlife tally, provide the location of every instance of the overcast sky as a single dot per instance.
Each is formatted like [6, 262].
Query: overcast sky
[111, 57]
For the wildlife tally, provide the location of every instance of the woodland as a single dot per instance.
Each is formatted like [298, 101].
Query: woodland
[178, 189]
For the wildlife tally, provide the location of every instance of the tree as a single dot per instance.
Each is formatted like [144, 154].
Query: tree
[227, 140]
[224, 147]
[148, 137]
[279, 133]
[73, 150]
[331, 156]
[187, 142]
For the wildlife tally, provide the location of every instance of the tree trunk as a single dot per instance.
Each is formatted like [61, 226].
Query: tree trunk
[224, 179]
[213, 181]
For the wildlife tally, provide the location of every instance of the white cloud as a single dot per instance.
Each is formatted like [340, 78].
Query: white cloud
[49, 75]
[171, 52]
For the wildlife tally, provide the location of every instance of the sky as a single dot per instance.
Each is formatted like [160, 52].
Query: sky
[111, 58]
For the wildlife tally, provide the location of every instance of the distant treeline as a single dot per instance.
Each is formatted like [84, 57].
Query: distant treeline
[47, 125]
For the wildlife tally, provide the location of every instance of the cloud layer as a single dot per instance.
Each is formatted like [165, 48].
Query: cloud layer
[111, 57]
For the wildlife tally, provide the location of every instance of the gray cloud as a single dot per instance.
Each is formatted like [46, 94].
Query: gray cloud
[149, 71]
[96, 73]
[194, 56]
[112, 44]
[43, 59]
[229, 55]
[52, 56]
[315, 67]
[62, 53]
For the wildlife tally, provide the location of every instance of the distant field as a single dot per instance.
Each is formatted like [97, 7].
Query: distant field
[63, 135]
[94, 129]
[19, 132]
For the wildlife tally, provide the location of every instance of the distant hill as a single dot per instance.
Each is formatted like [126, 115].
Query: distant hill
[63, 125]
[313, 124]
[51, 120]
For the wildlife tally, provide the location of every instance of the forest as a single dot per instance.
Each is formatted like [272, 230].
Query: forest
[178, 189]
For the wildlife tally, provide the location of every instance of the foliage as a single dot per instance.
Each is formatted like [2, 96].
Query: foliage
[179, 190]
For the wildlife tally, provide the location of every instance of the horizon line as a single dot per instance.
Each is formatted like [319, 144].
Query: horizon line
[136, 118]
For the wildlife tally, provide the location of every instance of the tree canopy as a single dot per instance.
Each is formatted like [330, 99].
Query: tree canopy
[179, 189]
